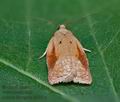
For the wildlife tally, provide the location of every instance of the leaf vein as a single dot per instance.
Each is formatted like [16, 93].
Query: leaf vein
[110, 42]
[102, 57]
[29, 45]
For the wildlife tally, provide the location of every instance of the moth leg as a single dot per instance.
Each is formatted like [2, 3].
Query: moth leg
[49, 47]
[87, 50]
[43, 54]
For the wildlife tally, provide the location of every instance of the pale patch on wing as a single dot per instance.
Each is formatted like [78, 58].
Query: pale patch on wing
[68, 69]
[83, 76]
[62, 71]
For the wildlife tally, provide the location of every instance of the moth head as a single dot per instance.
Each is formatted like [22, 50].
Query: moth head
[63, 31]
[62, 26]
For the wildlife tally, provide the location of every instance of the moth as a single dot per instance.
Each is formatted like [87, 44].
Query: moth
[66, 59]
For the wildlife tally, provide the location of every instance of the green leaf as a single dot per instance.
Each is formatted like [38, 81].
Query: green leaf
[26, 27]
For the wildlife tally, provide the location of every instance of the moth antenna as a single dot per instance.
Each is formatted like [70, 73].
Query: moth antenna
[43, 54]
[87, 50]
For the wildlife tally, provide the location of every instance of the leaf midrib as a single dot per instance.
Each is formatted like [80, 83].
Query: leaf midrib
[67, 97]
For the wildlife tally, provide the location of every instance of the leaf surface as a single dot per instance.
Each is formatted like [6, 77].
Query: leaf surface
[26, 27]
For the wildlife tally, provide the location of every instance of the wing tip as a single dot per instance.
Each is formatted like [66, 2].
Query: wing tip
[85, 82]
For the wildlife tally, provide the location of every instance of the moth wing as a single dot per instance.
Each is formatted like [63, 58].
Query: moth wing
[54, 71]
[50, 55]
[64, 70]
[58, 70]
[83, 76]
[83, 73]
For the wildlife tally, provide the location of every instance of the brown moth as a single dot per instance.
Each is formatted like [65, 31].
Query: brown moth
[66, 59]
